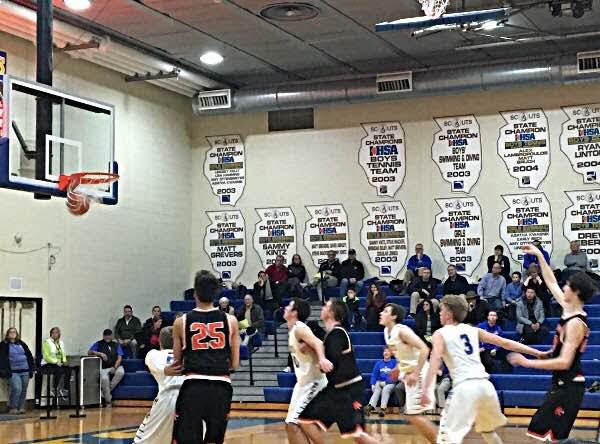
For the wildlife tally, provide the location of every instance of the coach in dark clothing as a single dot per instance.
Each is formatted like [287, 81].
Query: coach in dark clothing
[499, 257]
[423, 289]
[478, 309]
[455, 284]
[352, 273]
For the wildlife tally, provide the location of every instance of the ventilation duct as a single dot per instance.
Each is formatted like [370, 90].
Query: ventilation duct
[588, 61]
[510, 74]
[392, 83]
[209, 100]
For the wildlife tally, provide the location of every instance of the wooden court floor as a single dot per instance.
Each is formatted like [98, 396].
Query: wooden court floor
[117, 425]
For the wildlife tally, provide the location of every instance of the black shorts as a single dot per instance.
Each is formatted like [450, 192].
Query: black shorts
[342, 406]
[555, 417]
[202, 411]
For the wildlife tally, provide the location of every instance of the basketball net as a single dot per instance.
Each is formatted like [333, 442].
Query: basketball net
[84, 188]
[434, 8]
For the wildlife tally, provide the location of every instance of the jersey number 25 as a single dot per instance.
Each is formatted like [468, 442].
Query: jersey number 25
[212, 330]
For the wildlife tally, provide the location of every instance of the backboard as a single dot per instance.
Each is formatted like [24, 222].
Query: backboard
[70, 134]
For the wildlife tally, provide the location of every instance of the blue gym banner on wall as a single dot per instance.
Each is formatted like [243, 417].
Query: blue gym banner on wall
[2, 73]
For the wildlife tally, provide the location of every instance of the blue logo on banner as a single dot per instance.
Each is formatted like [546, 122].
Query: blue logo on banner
[386, 270]
[458, 185]
[226, 275]
[383, 189]
[460, 267]
[225, 198]
[590, 176]
[227, 159]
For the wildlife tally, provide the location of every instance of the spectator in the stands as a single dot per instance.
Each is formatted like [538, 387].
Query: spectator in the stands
[352, 273]
[150, 336]
[17, 366]
[225, 306]
[418, 260]
[489, 353]
[478, 309]
[530, 318]
[423, 289]
[278, 277]
[575, 261]
[127, 329]
[54, 359]
[455, 284]
[111, 354]
[353, 320]
[250, 316]
[529, 259]
[491, 287]
[498, 257]
[376, 300]
[427, 321]
[382, 385]
[263, 295]
[329, 273]
[296, 276]
[512, 294]
[534, 280]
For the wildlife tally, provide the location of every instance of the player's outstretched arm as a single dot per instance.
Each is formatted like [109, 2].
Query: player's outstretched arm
[508, 344]
[234, 340]
[574, 337]
[408, 336]
[435, 362]
[306, 336]
[547, 273]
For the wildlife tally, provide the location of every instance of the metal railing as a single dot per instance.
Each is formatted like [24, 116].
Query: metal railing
[275, 327]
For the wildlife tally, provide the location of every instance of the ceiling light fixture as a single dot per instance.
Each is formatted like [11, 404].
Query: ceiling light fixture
[489, 25]
[289, 12]
[78, 5]
[211, 58]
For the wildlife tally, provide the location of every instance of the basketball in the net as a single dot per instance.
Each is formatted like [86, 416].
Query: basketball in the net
[77, 203]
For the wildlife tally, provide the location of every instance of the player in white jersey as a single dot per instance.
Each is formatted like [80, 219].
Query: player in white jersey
[157, 427]
[473, 399]
[309, 362]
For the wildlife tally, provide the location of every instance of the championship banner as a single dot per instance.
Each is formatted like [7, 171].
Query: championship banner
[580, 140]
[384, 236]
[326, 230]
[225, 243]
[527, 217]
[456, 150]
[582, 223]
[524, 146]
[458, 232]
[275, 234]
[2, 73]
[382, 155]
[224, 167]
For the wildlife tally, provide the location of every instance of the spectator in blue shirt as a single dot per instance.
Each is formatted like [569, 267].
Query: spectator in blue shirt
[491, 287]
[381, 383]
[418, 260]
[489, 352]
[512, 294]
[111, 354]
[529, 259]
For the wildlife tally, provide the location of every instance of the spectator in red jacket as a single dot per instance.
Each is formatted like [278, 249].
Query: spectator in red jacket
[278, 277]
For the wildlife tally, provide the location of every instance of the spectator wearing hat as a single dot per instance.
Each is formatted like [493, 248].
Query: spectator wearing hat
[111, 354]
[478, 309]
[529, 259]
[352, 273]
[499, 257]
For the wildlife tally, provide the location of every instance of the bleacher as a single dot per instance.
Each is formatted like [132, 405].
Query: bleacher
[522, 387]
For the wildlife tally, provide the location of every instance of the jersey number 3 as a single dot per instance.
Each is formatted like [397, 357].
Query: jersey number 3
[468, 346]
[212, 331]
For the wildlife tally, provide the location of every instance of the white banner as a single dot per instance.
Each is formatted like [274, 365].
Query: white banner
[326, 230]
[225, 243]
[582, 223]
[224, 167]
[580, 140]
[527, 217]
[458, 232]
[382, 155]
[524, 146]
[456, 150]
[275, 234]
[384, 236]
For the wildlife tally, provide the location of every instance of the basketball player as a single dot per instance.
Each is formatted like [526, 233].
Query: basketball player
[473, 399]
[157, 426]
[309, 359]
[206, 341]
[411, 355]
[340, 402]
[555, 417]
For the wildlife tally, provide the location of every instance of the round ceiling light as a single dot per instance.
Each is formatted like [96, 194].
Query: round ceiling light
[78, 5]
[211, 58]
[289, 12]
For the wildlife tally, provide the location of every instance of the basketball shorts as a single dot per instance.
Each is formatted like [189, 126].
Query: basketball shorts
[555, 417]
[471, 402]
[341, 406]
[413, 395]
[157, 426]
[202, 412]
[301, 397]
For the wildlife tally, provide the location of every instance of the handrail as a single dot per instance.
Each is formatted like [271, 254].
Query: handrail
[275, 326]
[251, 351]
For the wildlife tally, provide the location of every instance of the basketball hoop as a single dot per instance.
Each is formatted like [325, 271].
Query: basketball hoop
[80, 188]
[434, 8]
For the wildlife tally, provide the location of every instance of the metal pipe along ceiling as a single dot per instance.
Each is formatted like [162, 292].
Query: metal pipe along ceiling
[556, 70]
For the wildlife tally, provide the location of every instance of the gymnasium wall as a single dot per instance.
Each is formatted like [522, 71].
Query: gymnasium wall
[320, 166]
[137, 252]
